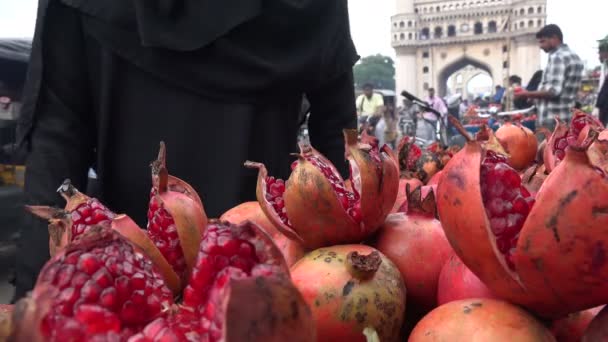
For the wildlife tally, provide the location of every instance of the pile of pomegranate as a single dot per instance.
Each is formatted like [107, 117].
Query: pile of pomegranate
[502, 239]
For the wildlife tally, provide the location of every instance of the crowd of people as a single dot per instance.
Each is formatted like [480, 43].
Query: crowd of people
[550, 93]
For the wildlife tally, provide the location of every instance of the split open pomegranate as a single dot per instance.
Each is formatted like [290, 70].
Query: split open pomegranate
[315, 206]
[533, 251]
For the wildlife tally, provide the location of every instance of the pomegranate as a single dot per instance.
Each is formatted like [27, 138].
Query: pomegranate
[572, 328]
[316, 208]
[598, 328]
[479, 320]
[176, 217]
[101, 288]
[292, 250]
[546, 256]
[457, 282]
[408, 154]
[416, 243]
[350, 288]
[5, 321]
[98, 288]
[401, 196]
[236, 265]
[519, 142]
[82, 212]
[563, 136]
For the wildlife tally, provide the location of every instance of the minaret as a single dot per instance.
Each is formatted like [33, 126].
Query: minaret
[405, 63]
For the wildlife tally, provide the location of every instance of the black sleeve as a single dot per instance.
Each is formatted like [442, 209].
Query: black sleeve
[57, 128]
[332, 109]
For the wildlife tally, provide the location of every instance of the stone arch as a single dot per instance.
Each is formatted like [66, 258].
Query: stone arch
[458, 64]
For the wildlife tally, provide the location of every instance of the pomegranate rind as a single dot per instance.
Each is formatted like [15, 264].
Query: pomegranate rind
[343, 304]
[376, 184]
[28, 314]
[598, 328]
[417, 245]
[292, 250]
[533, 178]
[315, 211]
[271, 214]
[267, 309]
[572, 328]
[458, 282]
[549, 158]
[562, 246]
[126, 227]
[480, 320]
[6, 311]
[466, 225]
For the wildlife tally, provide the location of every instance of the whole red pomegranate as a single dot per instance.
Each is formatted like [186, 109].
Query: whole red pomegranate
[291, 249]
[436, 178]
[316, 208]
[457, 282]
[416, 243]
[401, 196]
[101, 288]
[518, 247]
[572, 328]
[520, 143]
[350, 288]
[598, 328]
[565, 135]
[480, 320]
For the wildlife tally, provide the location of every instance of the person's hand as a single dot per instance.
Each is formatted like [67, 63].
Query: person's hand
[521, 94]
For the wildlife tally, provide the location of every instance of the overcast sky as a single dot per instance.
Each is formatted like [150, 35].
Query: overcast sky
[583, 23]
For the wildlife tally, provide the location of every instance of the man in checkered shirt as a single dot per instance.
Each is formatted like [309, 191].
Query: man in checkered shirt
[561, 79]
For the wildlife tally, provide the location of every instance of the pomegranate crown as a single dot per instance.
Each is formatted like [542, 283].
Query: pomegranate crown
[417, 203]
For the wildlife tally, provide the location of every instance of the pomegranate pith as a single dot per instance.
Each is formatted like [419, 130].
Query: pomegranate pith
[506, 201]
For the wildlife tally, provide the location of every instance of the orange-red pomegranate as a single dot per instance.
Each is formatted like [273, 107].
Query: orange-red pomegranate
[520, 142]
[315, 207]
[546, 254]
[416, 243]
[480, 320]
[572, 328]
[457, 282]
[292, 250]
[350, 288]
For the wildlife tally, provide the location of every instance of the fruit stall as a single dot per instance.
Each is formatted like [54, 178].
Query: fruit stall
[504, 239]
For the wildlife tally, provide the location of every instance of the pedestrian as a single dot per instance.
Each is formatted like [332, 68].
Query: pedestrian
[370, 107]
[561, 79]
[601, 106]
[221, 82]
[432, 119]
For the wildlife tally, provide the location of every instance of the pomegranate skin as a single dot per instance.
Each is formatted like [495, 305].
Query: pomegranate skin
[480, 320]
[520, 143]
[345, 302]
[416, 243]
[457, 282]
[292, 250]
[436, 178]
[572, 328]
[5, 321]
[598, 328]
[562, 245]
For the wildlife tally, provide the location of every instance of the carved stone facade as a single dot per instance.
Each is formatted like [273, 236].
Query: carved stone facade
[434, 39]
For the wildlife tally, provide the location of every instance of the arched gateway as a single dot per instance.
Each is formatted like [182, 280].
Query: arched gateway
[434, 39]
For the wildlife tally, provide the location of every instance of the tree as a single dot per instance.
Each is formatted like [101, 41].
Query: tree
[378, 70]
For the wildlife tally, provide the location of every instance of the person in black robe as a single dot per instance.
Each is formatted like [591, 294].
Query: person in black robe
[221, 82]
